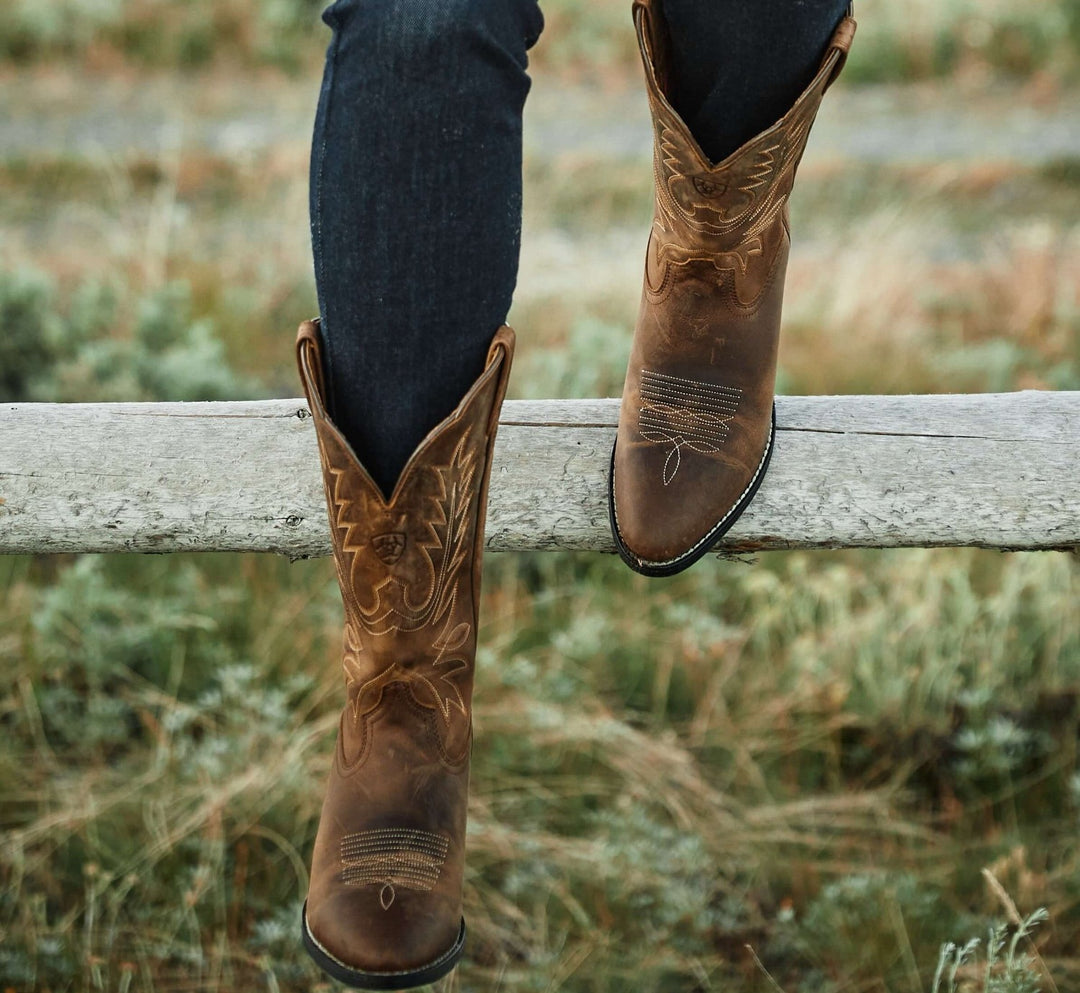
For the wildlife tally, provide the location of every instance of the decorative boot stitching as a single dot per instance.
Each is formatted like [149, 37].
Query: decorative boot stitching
[730, 233]
[434, 683]
[393, 859]
[685, 414]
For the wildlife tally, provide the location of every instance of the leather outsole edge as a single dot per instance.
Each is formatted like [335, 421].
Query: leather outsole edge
[361, 980]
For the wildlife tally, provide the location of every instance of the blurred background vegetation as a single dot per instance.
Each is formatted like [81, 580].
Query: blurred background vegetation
[809, 772]
[921, 39]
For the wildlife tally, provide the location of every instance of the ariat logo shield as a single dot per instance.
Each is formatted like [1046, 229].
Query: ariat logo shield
[710, 186]
[389, 547]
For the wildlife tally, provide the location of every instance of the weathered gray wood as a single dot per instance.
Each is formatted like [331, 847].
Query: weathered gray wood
[991, 470]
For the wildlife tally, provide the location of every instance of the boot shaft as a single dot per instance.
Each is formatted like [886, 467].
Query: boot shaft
[385, 895]
[731, 214]
[409, 564]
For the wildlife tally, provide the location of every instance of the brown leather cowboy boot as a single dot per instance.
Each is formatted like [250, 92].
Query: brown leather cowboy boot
[696, 424]
[383, 909]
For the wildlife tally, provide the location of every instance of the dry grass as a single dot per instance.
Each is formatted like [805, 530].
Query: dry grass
[751, 760]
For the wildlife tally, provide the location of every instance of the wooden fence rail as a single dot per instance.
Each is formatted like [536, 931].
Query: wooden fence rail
[858, 471]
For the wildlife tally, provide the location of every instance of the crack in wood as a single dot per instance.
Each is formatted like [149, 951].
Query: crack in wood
[868, 433]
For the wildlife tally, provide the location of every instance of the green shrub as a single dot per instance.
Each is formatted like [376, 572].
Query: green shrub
[1006, 968]
[32, 333]
[58, 349]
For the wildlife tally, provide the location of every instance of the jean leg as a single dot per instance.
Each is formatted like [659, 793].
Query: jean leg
[738, 67]
[415, 208]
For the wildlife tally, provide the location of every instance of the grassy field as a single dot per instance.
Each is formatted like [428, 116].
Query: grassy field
[921, 39]
[806, 772]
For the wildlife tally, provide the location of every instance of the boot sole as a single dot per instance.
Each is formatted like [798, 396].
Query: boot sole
[704, 546]
[358, 979]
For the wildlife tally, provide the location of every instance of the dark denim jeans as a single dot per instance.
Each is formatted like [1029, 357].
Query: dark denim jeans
[416, 180]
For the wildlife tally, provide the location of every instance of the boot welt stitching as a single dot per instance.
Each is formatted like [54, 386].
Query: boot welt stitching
[448, 954]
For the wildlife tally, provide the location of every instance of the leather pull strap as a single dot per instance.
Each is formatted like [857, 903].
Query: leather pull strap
[501, 351]
[309, 360]
[841, 43]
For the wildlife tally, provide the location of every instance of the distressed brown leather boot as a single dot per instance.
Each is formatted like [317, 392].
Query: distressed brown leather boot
[696, 425]
[383, 909]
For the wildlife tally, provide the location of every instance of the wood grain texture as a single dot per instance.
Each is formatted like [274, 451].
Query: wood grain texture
[994, 470]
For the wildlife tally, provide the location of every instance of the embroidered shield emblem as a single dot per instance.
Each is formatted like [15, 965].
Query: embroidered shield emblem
[710, 186]
[390, 546]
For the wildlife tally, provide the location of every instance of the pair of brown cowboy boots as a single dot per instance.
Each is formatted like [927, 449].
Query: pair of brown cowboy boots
[696, 431]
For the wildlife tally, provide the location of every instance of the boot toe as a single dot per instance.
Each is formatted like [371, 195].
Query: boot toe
[663, 522]
[366, 951]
